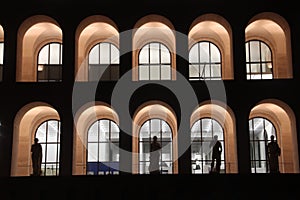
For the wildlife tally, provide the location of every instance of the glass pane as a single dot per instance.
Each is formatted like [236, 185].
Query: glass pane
[166, 130]
[92, 152]
[247, 52]
[114, 72]
[154, 53]
[51, 169]
[43, 152]
[259, 128]
[43, 55]
[265, 53]
[266, 76]
[255, 68]
[248, 68]
[144, 55]
[143, 72]
[115, 55]
[93, 133]
[96, 72]
[165, 72]
[207, 71]
[154, 72]
[51, 153]
[104, 152]
[165, 55]
[194, 54]
[144, 131]
[144, 151]
[202, 70]
[204, 52]
[262, 145]
[114, 132]
[215, 53]
[254, 51]
[216, 70]
[94, 55]
[195, 130]
[167, 168]
[266, 68]
[104, 53]
[206, 126]
[144, 167]
[194, 71]
[195, 149]
[115, 151]
[166, 151]
[41, 133]
[206, 147]
[1, 52]
[155, 125]
[54, 53]
[255, 76]
[217, 130]
[104, 130]
[270, 129]
[52, 131]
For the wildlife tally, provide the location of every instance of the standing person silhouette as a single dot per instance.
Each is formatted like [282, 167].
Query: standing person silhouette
[154, 156]
[216, 154]
[36, 156]
[273, 152]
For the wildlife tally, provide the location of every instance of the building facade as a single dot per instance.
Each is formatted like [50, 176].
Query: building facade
[96, 85]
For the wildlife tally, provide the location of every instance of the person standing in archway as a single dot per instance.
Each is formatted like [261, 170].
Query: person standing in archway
[273, 152]
[216, 155]
[154, 156]
[36, 157]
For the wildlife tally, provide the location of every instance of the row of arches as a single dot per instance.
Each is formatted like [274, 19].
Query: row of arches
[154, 49]
[97, 130]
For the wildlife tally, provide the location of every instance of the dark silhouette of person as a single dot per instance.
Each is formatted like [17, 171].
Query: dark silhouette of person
[36, 156]
[154, 156]
[273, 152]
[216, 155]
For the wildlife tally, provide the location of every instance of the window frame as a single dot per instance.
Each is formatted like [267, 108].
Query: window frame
[45, 147]
[48, 65]
[161, 141]
[260, 62]
[107, 66]
[266, 140]
[200, 141]
[98, 163]
[210, 63]
[159, 64]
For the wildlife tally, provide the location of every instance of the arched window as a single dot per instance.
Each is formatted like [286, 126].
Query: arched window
[48, 134]
[103, 148]
[50, 63]
[260, 131]
[104, 62]
[162, 130]
[205, 62]
[1, 59]
[258, 60]
[202, 134]
[155, 62]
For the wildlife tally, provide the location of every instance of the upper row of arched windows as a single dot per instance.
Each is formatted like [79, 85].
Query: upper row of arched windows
[40, 46]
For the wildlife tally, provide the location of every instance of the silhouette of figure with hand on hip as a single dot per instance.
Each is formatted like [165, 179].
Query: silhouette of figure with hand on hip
[216, 154]
[273, 152]
[154, 156]
[36, 156]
